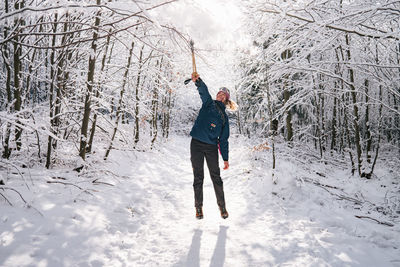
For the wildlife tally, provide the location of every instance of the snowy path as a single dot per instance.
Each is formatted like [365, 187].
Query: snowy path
[147, 219]
[259, 232]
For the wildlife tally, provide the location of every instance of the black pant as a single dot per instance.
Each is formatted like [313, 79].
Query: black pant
[199, 151]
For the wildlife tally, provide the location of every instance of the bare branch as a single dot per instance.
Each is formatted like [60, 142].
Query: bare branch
[389, 35]
[65, 183]
[380, 222]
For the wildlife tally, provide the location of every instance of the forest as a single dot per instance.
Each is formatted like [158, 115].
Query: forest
[81, 80]
[326, 73]
[321, 73]
[69, 77]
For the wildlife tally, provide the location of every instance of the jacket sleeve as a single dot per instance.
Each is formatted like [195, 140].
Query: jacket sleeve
[203, 91]
[223, 141]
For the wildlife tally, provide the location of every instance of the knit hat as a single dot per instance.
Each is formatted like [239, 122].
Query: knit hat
[226, 91]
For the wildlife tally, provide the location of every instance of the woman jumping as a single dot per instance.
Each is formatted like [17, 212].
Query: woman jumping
[210, 132]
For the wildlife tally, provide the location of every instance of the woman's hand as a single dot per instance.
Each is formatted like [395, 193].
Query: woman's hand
[195, 76]
[226, 165]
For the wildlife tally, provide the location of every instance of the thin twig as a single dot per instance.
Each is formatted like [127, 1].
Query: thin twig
[324, 186]
[98, 182]
[341, 197]
[58, 182]
[19, 172]
[367, 217]
[12, 189]
[319, 184]
[6, 199]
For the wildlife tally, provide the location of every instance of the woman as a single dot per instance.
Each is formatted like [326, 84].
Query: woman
[210, 132]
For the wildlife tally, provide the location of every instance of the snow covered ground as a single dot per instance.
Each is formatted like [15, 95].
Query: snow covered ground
[146, 217]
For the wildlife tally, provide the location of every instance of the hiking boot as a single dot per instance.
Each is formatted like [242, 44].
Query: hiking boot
[199, 213]
[224, 213]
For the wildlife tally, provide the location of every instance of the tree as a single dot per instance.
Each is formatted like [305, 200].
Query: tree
[49, 55]
[326, 79]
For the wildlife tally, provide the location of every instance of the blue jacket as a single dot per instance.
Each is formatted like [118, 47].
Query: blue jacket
[209, 126]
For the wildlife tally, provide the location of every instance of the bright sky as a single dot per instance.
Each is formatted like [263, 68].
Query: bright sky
[215, 26]
[205, 20]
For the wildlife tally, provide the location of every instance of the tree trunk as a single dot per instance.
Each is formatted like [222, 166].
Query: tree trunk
[94, 123]
[368, 136]
[90, 81]
[273, 126]
[289, 129]
[51, 94]
[17, 77]
[379, 130]
[6, 58]
[368, 175]
[137, 90]
[356, 117]
[286, 95]
[321, 98]
[155, 104]
[119, 109]
[334, 121]
[396, 105]
[347, 131]
[167, 111]
[28, 78]
[318, 125]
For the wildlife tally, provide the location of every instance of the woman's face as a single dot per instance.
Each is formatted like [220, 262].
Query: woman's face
[221, 96]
